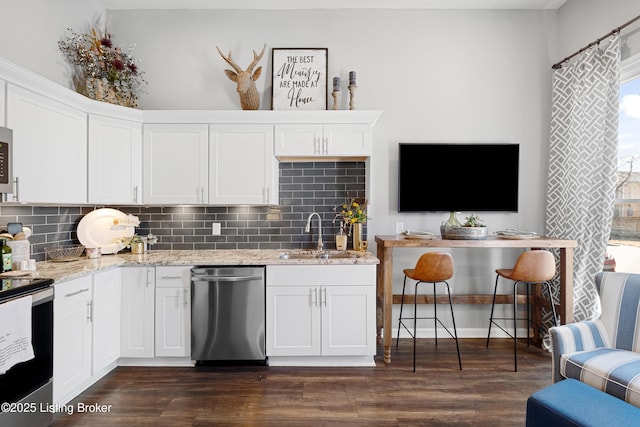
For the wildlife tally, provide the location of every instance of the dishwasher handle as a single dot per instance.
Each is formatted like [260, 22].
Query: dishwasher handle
[224, 278]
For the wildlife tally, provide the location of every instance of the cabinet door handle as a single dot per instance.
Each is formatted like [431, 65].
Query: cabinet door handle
[146, 282]
[324, 292]
[185, 296]
[316, 144]
[135, 193]
[89, 311]
[314, 297]
[171, 277]
[76, 292]
[16, 194]
[325, 145]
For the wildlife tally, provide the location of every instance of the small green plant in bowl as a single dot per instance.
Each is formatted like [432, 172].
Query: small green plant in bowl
[473, 220]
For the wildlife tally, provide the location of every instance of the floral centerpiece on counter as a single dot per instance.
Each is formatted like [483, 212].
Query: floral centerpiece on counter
[352, 215]
[349, 213]
[138, 243]
[109, 73]
[129, 241]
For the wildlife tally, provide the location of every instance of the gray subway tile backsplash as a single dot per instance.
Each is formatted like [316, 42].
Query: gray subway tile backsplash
[305, 187]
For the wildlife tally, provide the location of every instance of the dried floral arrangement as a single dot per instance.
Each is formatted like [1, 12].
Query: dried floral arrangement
[110, 74]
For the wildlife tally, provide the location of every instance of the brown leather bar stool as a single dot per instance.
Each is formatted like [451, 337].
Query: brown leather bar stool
[532, 268]
[432, 267]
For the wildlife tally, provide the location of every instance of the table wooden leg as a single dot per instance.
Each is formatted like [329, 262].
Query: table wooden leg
[379, 295]
[384, 300]
[566, 285]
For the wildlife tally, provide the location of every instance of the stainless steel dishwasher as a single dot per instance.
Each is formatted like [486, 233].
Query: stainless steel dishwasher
[228, 314]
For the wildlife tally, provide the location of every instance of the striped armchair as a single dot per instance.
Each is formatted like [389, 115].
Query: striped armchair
[604, 353]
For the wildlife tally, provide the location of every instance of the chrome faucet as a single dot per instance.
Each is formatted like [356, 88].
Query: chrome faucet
[308, 228]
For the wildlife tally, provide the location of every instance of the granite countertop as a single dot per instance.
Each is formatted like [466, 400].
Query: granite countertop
[61, 271]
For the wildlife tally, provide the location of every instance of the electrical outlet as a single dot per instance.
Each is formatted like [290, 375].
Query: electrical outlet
[215, 229]
[399, 227]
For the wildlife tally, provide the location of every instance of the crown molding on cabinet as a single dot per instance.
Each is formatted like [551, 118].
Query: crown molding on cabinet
[19, 76]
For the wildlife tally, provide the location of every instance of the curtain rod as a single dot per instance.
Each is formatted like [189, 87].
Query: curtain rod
[590, 45]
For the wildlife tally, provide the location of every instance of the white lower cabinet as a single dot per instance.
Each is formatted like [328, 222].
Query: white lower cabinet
[72, 334]
[173, 312]
[156, 313]
[321, 314]
[86, 332]
[106, 319]
[137, 305]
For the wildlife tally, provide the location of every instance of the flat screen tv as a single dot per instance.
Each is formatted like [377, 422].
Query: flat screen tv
[458, 177]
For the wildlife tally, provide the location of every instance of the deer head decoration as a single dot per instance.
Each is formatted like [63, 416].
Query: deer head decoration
[245, 80]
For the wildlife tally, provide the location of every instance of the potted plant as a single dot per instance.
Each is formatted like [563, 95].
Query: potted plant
[135, 243]
[474, 228]
[352, 215]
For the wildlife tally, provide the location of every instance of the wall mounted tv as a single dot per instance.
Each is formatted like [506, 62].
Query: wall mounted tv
[458, 177]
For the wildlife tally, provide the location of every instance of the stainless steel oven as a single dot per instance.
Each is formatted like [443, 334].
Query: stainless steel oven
[26, 389]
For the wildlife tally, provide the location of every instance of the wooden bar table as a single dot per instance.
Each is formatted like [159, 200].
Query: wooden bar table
[385, 297]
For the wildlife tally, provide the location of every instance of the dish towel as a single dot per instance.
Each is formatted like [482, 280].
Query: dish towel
[15, 333]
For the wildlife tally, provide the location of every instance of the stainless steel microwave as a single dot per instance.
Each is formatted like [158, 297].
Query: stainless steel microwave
[6, 163]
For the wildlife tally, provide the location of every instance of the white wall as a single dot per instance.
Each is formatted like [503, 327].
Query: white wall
[30, 30]
[581, 22]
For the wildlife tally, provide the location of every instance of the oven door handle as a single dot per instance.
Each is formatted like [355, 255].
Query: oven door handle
[38, 298]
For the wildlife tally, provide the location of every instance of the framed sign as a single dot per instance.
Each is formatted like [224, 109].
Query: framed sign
[299, 79]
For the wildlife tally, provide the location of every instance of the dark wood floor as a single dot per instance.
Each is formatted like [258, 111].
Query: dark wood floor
[485, 393]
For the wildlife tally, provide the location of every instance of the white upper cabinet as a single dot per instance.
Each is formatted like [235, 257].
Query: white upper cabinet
[3, 102]
[322, 140]
[242, 167]
[115, 160]
[49, 148]
[68, 148]
[175, 163]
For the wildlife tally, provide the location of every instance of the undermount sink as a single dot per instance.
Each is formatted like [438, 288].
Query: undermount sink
[318, 255]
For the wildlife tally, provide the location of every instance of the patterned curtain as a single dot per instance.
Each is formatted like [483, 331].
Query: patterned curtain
[583, 163]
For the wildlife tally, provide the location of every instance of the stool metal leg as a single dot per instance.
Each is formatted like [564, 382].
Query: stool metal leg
[553, 306]
[404, 283]
[453, 319]
[493, 305]
[515, 326]
[415, 323]
[435, 314]
[435, 321]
